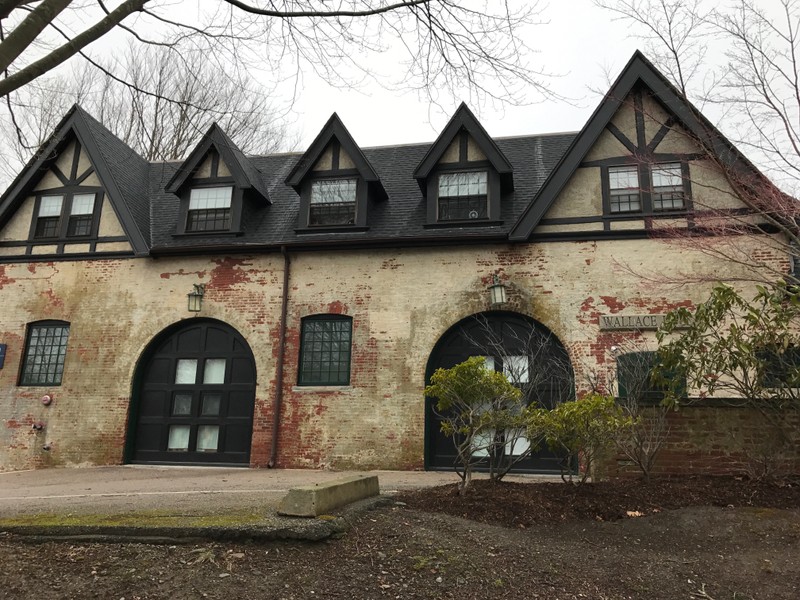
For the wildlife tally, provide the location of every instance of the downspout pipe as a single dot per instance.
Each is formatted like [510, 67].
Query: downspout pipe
[276, 407]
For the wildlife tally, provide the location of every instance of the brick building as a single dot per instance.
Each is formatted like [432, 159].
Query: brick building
[327, 286]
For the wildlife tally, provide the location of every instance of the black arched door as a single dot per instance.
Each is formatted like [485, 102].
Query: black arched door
[526, 352]
[194, 397]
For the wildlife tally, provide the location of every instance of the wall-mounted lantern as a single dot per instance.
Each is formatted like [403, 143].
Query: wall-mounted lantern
[497, 291]
[196, 297]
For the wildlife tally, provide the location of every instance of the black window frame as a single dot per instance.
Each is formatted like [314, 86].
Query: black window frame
[227, 218]
[775, 370]
[213, 180]
[461, 199]
[646, 191]
[31, 352]
[342, 175]
[64, 221]
[651, 392]
[307, 354]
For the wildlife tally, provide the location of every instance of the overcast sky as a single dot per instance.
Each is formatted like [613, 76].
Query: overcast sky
[581, 43]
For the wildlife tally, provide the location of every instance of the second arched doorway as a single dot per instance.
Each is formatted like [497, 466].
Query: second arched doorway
[528, 353]
[193, 397]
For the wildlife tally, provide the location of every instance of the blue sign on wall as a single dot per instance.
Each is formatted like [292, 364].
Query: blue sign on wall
[2, 354]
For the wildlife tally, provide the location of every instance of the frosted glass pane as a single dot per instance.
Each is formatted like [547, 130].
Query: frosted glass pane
[210, 198]
[516, 369]
[214, 371]
[517, 443]
[178, 438]
[186, 372]
[50, 206]
[182, 404]
[481, 443]
[211, 404]
[488, 363]
[82, 204]
[207, 438]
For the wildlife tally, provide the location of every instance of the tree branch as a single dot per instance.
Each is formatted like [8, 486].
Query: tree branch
[61, 54]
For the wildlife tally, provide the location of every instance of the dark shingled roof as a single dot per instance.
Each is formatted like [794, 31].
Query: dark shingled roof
[399, 219]
[128, 169]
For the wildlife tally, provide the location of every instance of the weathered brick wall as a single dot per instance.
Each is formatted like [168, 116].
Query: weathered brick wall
[723, 438]
[401, 302]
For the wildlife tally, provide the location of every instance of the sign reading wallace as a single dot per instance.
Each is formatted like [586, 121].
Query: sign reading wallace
[631, 321]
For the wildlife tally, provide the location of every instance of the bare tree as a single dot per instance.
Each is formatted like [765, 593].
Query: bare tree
[445, 42]
[162, 113]
[634, 381]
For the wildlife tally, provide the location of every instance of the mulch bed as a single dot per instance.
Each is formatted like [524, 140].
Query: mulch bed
[521, 504]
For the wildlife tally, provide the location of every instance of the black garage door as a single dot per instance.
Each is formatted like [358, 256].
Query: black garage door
[194, 397]
[530, 356]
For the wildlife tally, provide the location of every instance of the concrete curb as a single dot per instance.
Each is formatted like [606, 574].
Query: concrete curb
[278, 529]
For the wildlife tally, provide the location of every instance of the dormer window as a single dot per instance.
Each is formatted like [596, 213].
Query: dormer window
[463, 196]
[209, 209]
[333, 202]
[464, 175]
[64, 216]
[335, 182]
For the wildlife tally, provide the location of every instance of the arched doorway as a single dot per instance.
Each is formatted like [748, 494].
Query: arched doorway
[526, 352]
[193, 397]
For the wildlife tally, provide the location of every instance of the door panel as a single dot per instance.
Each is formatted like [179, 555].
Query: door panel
[545, 378]
[196, 395]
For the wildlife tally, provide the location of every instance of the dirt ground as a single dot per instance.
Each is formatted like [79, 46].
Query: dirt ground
[691, 539]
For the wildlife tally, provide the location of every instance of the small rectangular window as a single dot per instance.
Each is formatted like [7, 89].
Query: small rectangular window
[463, 196]
[635, 381]
[48, 219]
[624, 192]
[325, 350]
[45, 351]
[209, 209]
[186, 371]
[781, 368]
[333, 202]
[80, 215]
[668, 187]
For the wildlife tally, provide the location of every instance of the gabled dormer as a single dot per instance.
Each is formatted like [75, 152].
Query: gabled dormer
[464, 175]
[84, 194]
[214, 183]
[335, 181]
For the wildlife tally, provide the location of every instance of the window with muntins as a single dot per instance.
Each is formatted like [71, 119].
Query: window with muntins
[667, 182]
[325, 343]
[463, 196]
[333, 202]
[62, 216]
[624, 190]
[635, 379]
[49, 217]
[45, 350]
[209, 209]
[81, 215]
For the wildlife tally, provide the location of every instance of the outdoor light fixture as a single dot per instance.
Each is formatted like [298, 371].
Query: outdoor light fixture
[196, 297]
[497, 291]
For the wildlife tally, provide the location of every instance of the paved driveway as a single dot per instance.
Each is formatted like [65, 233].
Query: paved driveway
[187, 490]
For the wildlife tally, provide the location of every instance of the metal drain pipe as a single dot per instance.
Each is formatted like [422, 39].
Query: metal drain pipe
[276, 407]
